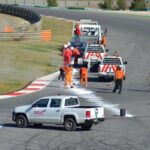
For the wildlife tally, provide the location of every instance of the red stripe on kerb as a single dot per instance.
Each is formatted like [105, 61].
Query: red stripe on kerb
[15, 94]
[37, 84]
[32, 89]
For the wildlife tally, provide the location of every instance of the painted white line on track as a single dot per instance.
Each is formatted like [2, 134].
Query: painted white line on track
[114, 108]
[91, 97]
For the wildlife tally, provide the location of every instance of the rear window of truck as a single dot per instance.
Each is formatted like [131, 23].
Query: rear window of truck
[95, 48]
[71, 101]
[112, 61]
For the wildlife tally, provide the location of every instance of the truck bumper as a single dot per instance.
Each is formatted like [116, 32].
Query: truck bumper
[13, 116]
[106, 76]
[94, 121]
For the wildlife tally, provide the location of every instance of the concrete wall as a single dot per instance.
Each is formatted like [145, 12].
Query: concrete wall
[65, 3]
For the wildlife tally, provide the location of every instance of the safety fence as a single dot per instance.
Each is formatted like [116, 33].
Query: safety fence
[28, 27]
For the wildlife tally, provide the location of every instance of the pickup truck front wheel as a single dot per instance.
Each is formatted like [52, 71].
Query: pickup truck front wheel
[21, 121]
[86, 126]
[70, 124]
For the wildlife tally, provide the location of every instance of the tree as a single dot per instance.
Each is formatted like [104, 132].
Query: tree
[106, 5]
[138, 5]
[52, 3]
[122, 4]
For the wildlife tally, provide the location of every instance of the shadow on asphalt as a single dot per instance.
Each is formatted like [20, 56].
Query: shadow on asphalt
[93, 79]
[102, 90]
[44, 127]
[138, 90]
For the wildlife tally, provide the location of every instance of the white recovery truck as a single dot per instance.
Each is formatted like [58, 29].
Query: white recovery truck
[60, 110]
[108, 67]
[91, 31]
[93, 55]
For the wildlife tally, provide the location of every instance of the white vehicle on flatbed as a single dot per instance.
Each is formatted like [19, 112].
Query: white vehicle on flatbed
[90, 31]
[61, 110]
[108, 67]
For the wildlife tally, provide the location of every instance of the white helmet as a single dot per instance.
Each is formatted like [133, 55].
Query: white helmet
[65, 45]
[72, 48]
[69, 43]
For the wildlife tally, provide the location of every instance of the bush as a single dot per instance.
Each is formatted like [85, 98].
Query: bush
[52, 3]
[122, 4]
[106, 5]
[138, 5]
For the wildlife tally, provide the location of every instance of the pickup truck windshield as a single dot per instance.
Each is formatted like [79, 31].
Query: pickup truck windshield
[41, 103]
[115, 61]
[71, 101]
[95, 48]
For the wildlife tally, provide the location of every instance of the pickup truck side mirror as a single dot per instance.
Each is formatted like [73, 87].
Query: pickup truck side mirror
[125, 62]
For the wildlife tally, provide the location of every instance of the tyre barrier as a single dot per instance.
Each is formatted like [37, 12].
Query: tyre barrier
[23, 13]
[23, 30]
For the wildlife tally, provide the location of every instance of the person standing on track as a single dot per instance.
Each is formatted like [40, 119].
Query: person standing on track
[67, 54]
[119, 76]
[77, 30]
[116, 54]
[68, 76]
[76, 54]
[62, 73]
[104, 40]
[83, 75]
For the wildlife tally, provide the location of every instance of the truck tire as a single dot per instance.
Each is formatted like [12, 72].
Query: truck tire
[70, 124]
[21, 121]
[86, 126]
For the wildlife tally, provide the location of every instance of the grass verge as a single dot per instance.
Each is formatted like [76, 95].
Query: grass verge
[23, 61]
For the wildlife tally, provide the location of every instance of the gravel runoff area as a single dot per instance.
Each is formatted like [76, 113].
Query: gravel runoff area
[7, 20]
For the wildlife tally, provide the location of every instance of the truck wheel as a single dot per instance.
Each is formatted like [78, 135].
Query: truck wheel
[21, 121]
[86, 126]
[70, 124]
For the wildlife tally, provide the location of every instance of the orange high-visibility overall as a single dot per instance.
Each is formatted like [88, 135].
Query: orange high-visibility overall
[83, 76]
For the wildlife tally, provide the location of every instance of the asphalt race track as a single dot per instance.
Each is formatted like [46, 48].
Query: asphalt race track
[127, 34]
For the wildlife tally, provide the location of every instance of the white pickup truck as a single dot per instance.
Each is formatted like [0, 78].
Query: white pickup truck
[108, 67]
[61, 110]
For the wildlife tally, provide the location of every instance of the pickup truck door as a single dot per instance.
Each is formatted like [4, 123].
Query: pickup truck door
[53, 113]
[37, 112]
